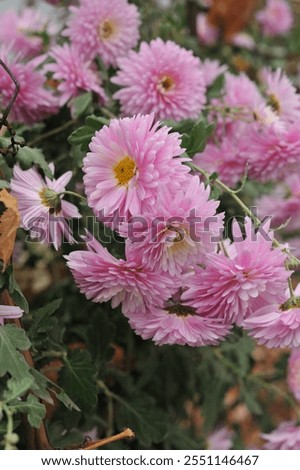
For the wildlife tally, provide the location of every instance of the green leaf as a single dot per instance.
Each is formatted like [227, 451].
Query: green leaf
[81, 103]
[13, 339]
[148, 422]
[96, 122]
[251, 401]
[216, 87]
[77, 378]
[195, 142]
[34, 409]
[66, 400]
[28, 156]
[40, 386]
[83, 135]
[43, 321]
[4, 184]
[17, 388]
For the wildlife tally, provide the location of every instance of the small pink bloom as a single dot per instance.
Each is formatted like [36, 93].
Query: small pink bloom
[8, 312]
[211, 70]
[220, 439]
[101, 277]
[180, 229]
[243, 40]
[174, 322]
[127, 162]
[293, 377]
[276, 18]
[241, 92]
[33, 102]
[231, 287]
[74, 74]
[108, 29]
[162, 78]
[207, 33]
[42, 208]
[285, 437]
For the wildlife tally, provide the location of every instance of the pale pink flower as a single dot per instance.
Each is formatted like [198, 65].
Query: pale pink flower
[22, 32]
[211, 70]
[241, 92]
[274, 152]
[174, 322]
[276, 18]
[285, 437]
[228, 159]
[179, 230]
[8, 312]
[41, 206]
[33, 102]
[293, 377]
[207, 33]
[220, 439]
[74, 74]
[108, 29]
[275, 327]
[101, 277]
[243, 40]
[162, 78]
[127, 162]
[281, 93]
[231, 287]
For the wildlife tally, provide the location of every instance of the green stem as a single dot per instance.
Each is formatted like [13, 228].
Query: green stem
[295, 261]
[71, 193]
[9, 427]
[51, 133]
[110, 407]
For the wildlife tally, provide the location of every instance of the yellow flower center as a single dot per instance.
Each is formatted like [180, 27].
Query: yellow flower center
[166, 84]
[274, 103]
[107, 30]
[124, 170]
[50, 199]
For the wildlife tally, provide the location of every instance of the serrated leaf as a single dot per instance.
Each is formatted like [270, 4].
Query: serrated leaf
[66, 400]
[195, 141]
[34, 409]
[43, 321]
[96, 122]
[77, 378]
[40, 386]
[81, 136]
[148, 422]
[28, 156]
[4, 184]
[17, 388]
[13, 339]
[216, 87]
[81, 103]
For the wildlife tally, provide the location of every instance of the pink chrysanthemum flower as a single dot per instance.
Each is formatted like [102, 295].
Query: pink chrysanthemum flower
[228, 159]
[74, 74]
[162, 78]
[276, 18]
[179, 230]
[220, 439]
[8, 312]
[128, 161]
[108, 29]
[207, 34]
[33, 102]
[293, 378]
[281, 94]
[22, 32]
[211, 70]
[274, 152]
[101, 277]
[276, 326]
[231, 287]
[285, 437]
[243, 40]
[42, 208]
[241, 92]
[176, 323]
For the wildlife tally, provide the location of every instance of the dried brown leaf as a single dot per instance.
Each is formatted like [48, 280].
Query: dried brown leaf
[9, 223]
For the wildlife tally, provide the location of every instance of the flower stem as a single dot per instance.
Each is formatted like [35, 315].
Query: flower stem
[51, 133]
[71, 193]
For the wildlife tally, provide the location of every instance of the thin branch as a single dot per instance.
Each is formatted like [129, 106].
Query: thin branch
[126, 434]
[13, 99]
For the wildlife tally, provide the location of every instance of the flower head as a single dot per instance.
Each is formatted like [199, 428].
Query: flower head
[73, 73]
[33, 101]
[162, 78]
[108, 29]
[22, 32]
[282, 95]
[207, 33]
[127, 162]
[179, 231]
[211, 70]
[8, 312]
[241, 92]
[231, 286]
[293, 377]
[101, 277]
[276, 18]
[42, 208]
[174, 322]
[285, 437]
